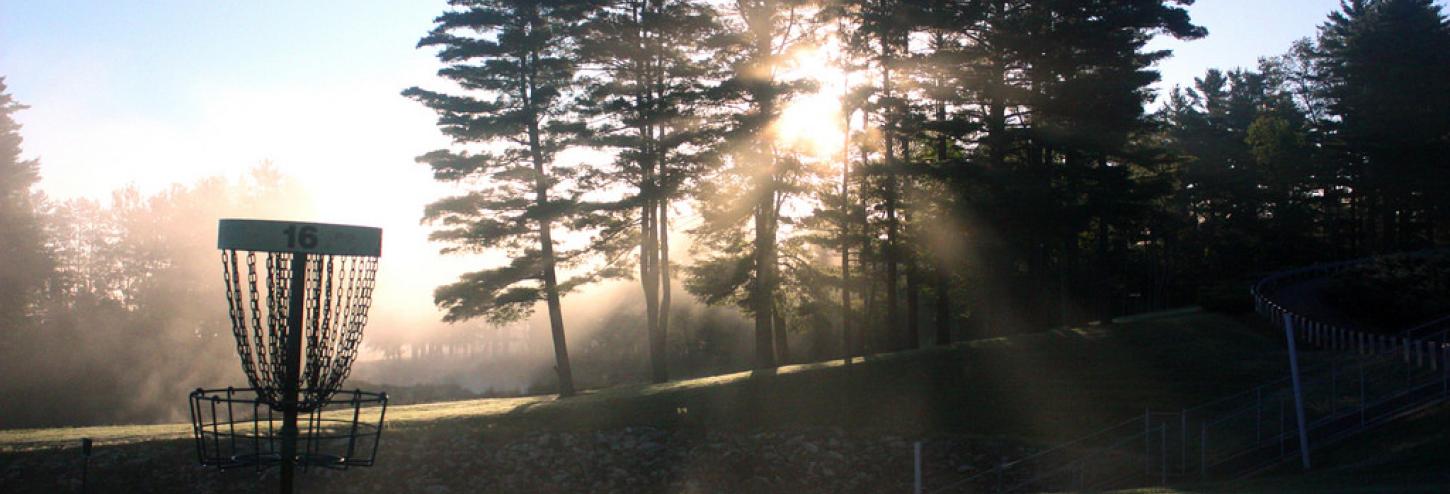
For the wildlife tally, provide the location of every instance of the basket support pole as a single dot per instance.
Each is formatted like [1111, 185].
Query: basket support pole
[295, 305]
[1298, 393]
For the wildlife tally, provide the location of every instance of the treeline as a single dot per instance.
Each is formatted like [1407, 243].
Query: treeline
[1000, 170]
[108, 311]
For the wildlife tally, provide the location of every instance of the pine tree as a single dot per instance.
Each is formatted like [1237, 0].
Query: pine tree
[26, 264]
[647, 97]
[747, 193]
[1385, 68]
[515, 60]
[940, 73]
[881, 37]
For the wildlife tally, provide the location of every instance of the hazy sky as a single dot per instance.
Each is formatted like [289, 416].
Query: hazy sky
[158, 92]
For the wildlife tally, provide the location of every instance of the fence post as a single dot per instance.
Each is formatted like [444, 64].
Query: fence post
[1001, 465]
[1259, 415]
[1203, 451]
[1409, 374]
[1183, 468]
[1163, 453]
[1362, 404]
[1147, 444]
[917, 469]
[1298, 392]
[1077, 478]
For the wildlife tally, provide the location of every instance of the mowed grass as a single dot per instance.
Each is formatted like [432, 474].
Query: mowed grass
[1044, 387]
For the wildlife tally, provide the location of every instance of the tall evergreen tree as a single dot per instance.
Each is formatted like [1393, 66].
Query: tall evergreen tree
[515, 60]
[939, 72]
[648, 98]
[26, 265]
[748, 193]
[881, 37]
[1385, 69]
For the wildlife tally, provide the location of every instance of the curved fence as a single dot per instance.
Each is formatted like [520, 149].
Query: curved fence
[1365, 379]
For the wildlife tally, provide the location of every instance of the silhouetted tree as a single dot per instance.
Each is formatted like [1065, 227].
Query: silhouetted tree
[647, 98]
[516, 63]
[24, 263]
[1385, 69]
[135, 297]
[747, 193]
[881, 38]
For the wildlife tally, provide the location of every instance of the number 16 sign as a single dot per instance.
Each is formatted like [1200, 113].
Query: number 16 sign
[293, 236]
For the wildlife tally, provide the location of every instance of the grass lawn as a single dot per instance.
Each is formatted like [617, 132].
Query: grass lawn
[1040, 388]
[1044, 387]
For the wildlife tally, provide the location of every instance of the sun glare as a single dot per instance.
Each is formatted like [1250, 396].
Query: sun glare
[811, 122]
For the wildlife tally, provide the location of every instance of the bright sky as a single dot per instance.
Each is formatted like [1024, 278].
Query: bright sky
[179, 90]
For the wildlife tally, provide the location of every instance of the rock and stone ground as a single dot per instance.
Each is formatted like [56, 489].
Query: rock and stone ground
[456, 458]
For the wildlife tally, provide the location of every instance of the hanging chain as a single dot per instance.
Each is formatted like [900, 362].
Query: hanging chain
[325, 345]
[360, 301]
[237, 313]
[265, 356]
[337, 293]
[312, 295]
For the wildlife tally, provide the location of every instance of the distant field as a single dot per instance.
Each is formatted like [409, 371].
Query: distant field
[1033, 389]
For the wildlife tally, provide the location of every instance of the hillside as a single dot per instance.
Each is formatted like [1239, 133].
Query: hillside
[1405, 456]
[831, 426]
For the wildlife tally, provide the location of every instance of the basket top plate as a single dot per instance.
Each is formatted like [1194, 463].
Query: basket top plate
[296, 236]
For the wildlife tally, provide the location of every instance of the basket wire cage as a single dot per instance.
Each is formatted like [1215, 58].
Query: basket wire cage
[235, 428]
[298, 296]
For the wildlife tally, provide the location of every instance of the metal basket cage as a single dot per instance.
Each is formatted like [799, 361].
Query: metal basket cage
[237, 428]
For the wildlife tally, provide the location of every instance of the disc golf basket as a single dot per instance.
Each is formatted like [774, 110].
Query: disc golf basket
[298, 296]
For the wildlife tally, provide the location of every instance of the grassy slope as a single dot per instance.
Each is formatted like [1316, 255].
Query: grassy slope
[1408, 455]
[1040, 387]
[1044, 387]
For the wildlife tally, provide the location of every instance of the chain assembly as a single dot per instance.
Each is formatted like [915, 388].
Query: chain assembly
[338, 294]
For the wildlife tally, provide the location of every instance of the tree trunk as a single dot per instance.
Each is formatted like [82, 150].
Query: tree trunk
[943, 306]
[1105, 291]
[888, 133]
[846, 347]
[760, 26]
[665, 297]
[943, 279]
[868, 334]
[764, 240]
[546, 244]
[649, 277]
[869, 338]
[913, 281]
[649, 246]
[663, 193]
[782, 339]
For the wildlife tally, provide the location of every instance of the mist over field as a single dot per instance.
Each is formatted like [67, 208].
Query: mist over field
[141, 319]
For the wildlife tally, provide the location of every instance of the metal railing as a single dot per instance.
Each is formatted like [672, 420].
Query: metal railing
[1369, 379]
